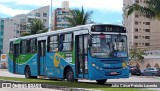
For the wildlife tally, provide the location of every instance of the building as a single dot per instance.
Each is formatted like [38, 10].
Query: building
[9, 29]
[25, 19]
[59, 15]
[142, 32]
[17, 25]
[151, 60]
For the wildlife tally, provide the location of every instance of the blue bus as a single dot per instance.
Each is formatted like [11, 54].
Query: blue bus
[95, 52]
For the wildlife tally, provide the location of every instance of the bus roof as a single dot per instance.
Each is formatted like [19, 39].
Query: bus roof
[88, 26]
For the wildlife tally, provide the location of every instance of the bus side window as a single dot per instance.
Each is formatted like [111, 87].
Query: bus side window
[33, 45]
[23, 47]
[11, 48]
[66, 41]
[61, 42]
[53, 43]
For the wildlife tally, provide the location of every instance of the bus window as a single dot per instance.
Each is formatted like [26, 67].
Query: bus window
[33, 46]
[53, 43]
[107, 46]
[66, 42]
[23, 47]
[11, 48]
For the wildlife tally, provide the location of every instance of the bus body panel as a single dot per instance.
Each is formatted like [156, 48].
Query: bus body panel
[104, 67]
[55, 64]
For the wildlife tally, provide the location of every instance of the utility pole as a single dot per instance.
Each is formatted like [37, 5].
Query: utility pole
[50, 25]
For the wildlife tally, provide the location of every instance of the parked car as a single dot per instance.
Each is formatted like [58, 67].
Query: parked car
[151, 72]
[134, 70]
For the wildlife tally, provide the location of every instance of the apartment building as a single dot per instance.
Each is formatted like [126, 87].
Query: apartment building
[8, 29]
[59, 15]
[142, 32]
[25, 19]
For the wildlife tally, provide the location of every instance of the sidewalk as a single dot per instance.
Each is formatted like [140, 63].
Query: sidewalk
[6, 73]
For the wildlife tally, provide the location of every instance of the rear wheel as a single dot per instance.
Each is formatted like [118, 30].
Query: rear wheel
[70, 75]
[27, 72]
[101, 82]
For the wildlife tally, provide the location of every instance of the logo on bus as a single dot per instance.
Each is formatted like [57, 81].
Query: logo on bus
[56, 60]
[106, 65]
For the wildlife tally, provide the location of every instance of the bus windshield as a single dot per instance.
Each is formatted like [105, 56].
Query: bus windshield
[109, 46]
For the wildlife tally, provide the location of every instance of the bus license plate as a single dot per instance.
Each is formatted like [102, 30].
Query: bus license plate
[113, 73]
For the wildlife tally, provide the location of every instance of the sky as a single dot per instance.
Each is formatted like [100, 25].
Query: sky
[104, 11]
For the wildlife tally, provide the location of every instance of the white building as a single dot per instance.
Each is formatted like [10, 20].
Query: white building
[25, 19]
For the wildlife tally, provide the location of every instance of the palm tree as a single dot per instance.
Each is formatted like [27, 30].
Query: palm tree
[150, 10]
[36, 27]
[79, 17]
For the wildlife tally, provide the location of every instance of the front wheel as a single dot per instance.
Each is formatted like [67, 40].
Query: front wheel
[70, 75]
[101, 82]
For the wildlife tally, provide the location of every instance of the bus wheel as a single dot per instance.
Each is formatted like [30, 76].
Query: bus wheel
[70, 75]
[27, 72]
[101, 82]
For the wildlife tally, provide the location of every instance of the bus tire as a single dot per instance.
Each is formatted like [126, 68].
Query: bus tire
[101, 82]
[27, 72]
[70, 75]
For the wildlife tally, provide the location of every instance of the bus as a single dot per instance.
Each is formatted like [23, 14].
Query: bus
[94, 52]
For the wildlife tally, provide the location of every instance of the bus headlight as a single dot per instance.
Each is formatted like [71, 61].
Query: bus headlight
[124, 64]
[95, 66]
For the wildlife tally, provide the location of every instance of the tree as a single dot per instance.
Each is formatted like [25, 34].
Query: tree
[36, 27]
[150, 10]
[136, 54]
[79, 17]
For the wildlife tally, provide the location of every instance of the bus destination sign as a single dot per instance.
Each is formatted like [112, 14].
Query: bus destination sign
[108, 28]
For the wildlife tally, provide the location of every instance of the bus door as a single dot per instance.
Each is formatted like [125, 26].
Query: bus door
[41, 57]
[81, 56]
[16, 53]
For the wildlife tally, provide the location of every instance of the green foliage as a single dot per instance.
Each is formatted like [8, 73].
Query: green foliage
[36, 27]
[150, 10]
[79, 17]
[137, 54]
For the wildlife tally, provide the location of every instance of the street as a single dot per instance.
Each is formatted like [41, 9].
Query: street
[4, 72]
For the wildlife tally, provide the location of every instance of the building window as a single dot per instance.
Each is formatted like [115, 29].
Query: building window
[136, 15]
[136, 44]
[38, 14]
[136, 22]
[136, 1]
[44, 20]
[147, 44]
[136, 29]
[135, 37]
[147, 23]
[147, 30]
[44, 14]
[147, 37]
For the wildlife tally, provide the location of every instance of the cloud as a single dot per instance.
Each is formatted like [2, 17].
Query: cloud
[12, 12]
[105, 5]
